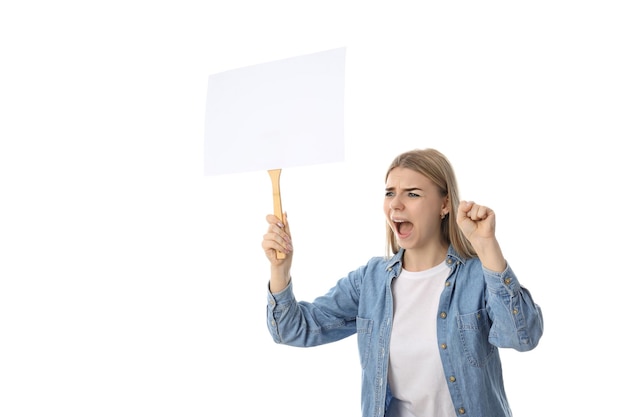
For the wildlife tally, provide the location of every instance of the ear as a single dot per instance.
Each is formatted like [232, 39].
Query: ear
[445, 207]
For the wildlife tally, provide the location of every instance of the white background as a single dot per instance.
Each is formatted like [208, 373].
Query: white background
[133, 285]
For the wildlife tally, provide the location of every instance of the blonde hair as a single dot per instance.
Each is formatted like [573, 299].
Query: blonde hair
[435, 166]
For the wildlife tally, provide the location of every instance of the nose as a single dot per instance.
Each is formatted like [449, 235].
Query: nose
[395, 203]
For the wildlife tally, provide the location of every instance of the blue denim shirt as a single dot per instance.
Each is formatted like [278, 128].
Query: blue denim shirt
[479, 312]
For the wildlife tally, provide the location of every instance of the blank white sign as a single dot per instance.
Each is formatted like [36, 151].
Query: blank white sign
[275, 115]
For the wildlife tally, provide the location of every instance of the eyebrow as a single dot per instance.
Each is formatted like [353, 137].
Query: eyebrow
[404, 189]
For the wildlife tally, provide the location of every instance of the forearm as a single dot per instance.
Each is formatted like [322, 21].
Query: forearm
[279, 278]
[490, 255]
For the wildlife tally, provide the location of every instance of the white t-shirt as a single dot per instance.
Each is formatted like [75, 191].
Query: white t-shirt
[416, 375]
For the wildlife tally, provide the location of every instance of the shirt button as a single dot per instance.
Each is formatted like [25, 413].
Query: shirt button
[273, 323]
[444, 346]
[447, 283]
[507, 281]
[515, 311]
[452, 379]
[449, 261]
[461, 410]
[272, 302]
[443, 315]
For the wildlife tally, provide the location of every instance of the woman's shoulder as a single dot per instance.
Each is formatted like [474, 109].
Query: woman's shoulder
[378, 265]
[472, 264]
[382, 261]
[372, 274]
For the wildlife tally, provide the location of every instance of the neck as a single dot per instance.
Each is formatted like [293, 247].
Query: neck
[424, 258]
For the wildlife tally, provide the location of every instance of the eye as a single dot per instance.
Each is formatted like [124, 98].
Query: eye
[413, 195]
[389, 194]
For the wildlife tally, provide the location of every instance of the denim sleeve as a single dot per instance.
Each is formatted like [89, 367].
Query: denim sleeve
[517, 320]
[328, 318]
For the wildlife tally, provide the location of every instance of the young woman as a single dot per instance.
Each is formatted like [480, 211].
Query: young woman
[430, 316]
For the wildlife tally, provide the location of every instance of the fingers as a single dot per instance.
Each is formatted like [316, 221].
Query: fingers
[276, 225]
[277, 238]
[473, 211]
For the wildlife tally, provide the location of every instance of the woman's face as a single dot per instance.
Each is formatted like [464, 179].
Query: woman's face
[413, 207]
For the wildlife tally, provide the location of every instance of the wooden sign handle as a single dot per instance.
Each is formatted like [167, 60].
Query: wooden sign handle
[278, 207]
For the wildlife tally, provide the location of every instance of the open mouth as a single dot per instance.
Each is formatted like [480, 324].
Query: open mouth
[403, 228]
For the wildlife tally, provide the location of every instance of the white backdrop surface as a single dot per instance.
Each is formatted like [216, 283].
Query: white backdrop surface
[133, 285]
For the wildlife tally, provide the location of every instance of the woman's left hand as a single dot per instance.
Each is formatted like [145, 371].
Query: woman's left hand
[476, 222]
